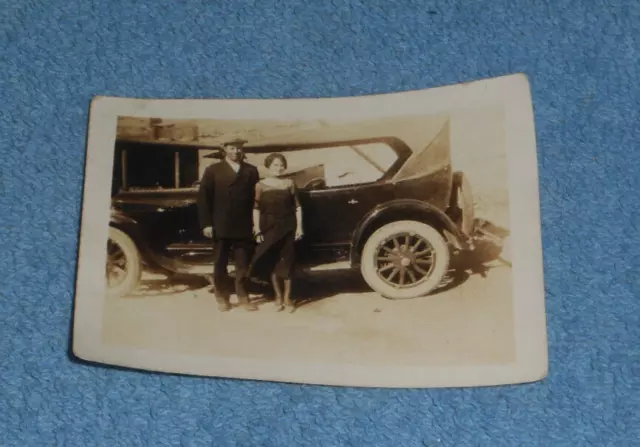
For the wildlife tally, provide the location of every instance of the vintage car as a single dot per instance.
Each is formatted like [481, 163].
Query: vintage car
[379, 196]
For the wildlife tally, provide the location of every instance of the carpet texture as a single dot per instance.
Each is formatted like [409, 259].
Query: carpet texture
[583, 59]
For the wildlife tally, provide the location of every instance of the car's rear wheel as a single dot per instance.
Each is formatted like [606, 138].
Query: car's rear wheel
[405, 259]
[124, 267]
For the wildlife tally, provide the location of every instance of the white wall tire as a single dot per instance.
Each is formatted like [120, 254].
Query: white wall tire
[124, 266]
[405, 259]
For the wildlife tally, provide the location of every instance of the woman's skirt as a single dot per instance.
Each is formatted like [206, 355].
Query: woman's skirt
[276, 253]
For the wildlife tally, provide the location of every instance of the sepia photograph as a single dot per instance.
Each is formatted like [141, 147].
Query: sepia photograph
[381, 241]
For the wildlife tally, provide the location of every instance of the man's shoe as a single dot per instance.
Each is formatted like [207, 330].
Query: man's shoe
[224, 307]
[250, 307]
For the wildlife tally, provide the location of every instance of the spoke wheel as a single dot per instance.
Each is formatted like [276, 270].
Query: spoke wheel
[123, 266]
[116, 264]
[405, 259]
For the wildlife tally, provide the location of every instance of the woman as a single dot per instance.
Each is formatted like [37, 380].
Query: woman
[277, 218]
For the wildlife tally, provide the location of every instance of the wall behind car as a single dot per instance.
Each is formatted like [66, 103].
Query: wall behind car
[478, 149]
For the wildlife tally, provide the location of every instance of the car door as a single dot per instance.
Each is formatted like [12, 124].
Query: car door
[331, 215]
[191, 246]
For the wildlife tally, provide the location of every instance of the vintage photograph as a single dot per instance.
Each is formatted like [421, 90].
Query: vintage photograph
[366, 241]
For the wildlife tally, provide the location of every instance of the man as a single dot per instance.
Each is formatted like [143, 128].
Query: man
[225, 206]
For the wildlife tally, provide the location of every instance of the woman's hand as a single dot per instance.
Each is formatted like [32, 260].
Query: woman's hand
[258, 235]
[299, 233]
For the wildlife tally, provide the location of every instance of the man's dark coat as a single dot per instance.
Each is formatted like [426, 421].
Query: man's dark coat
[226, 200]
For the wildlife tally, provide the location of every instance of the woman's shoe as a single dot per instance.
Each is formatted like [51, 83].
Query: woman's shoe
[290, 307]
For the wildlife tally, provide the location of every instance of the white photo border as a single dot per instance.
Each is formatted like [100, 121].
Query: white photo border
[512, 92]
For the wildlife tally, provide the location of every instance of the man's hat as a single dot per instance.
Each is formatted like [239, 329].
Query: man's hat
[234, 142]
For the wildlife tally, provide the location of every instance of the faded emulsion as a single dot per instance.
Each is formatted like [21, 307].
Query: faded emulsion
[380, 197]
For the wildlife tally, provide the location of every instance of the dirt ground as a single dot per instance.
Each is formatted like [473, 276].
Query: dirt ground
[338, 318]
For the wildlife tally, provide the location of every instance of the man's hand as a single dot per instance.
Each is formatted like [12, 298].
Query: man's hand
[208, 232]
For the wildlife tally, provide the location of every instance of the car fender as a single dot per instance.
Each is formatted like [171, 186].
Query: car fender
[118, 218]
[128, 225]
[131, 228]
[403, 209]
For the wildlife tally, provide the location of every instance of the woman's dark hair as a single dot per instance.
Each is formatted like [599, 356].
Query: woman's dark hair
[271, 157]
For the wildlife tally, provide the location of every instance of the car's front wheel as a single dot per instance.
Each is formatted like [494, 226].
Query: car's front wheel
[124, 267]
[405, 259]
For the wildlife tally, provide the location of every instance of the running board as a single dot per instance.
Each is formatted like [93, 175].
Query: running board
[207, 269]
[344, 265]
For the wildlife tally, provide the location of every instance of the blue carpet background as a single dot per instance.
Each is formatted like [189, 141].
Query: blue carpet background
[583, 59]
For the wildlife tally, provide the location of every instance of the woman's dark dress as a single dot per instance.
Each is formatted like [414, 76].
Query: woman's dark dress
[278, 223]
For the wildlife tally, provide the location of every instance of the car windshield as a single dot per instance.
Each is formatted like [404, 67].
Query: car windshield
[335, 166]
